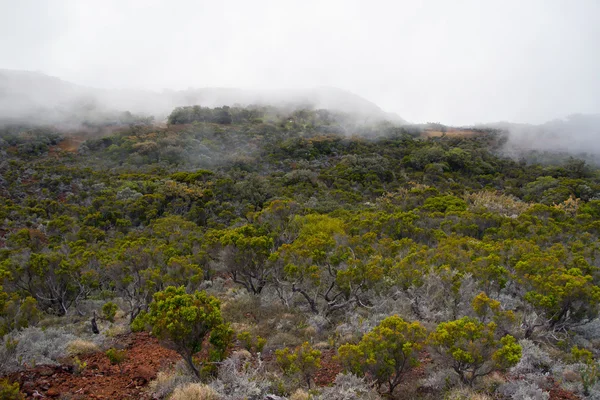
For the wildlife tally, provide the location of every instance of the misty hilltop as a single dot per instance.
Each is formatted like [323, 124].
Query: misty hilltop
[36, 97]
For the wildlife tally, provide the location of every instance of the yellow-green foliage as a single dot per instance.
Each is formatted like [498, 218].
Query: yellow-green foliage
[470, 347]
[251, 343]
[78, 365]
[487, 309]
[116, 356]
[10, 391]
[305, 360]
[183, 321]
[581, 355]
[109, 310]
[386, 352]
[590, 371]
[15, 312]
[286, 360]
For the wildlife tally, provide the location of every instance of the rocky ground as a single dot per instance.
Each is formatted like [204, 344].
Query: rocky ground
[99, 379]
[145, 358]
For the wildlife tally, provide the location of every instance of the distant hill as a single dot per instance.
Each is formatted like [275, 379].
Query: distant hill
[36, 97]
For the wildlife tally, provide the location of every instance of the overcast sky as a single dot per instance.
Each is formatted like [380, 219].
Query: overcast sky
[450, 61]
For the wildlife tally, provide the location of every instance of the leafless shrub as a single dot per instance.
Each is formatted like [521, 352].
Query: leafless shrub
[523, 390]
[239, 378]
[533, 359]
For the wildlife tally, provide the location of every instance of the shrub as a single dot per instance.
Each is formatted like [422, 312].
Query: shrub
[465, 393]
[183, 321]
[117, 357]
[195, 391]
[472, 350]
[16, 313]
[34, 346]
[588, 370]
[246, 339]
[445, 204]
[251, 343]
[522, 389]
[506, 205]
[304, 360]
[348, 387]
[78, 366]
[385, 353]
[81, 347]
[533, 359]
[109, 310]
[239, 379]
[441, 379]
[166, 382]
[10, 391]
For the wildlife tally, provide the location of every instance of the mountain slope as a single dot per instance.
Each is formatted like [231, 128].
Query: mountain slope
[37, 97]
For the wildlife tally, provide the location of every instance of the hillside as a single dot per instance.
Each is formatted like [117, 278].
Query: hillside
[272, 253]
[37, 98]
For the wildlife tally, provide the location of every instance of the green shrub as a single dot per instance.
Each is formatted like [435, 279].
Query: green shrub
[10, 391]
[117, 357]
[304, 360]
[385, 353]
[472, 349]
[183, 321]
[109, 310]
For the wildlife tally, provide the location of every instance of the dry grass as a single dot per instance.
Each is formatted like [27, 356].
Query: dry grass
[80, 347]
[300, 395]
[195, 391]
[497, 203]
[451, 133]
[569, 206]
[464, 393]
[167, 381]
[116, 330]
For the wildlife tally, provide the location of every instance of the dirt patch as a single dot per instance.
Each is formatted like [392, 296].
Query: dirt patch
[451, 133]
[329, 369]
[557, 393]
[100, 379]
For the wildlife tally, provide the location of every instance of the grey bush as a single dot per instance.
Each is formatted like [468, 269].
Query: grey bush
[441, 379]
[166, 382]
[523, 390]
[348, 387]
[533, 359]
[34, 347]
[239, 379]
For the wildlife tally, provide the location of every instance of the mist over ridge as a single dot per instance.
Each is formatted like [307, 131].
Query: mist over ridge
[33, 97]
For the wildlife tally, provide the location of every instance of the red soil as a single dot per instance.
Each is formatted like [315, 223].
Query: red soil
[145, 357]
[100, 379]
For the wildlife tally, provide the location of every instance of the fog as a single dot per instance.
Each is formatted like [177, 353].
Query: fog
[576, 135]
[456, 62]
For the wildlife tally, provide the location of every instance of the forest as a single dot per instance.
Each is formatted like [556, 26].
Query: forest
[295, 254]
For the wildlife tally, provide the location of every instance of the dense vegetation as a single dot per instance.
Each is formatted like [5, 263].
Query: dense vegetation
[307, 232]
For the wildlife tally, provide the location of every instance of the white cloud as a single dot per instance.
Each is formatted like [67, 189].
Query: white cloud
[458, 62]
